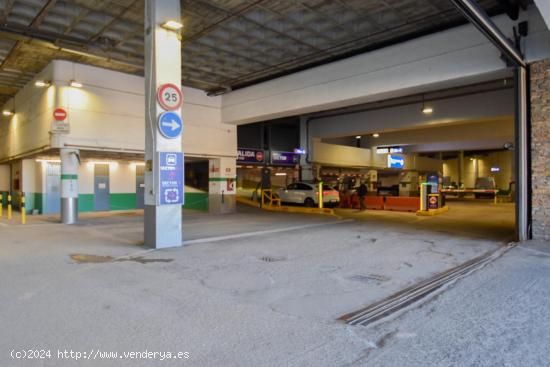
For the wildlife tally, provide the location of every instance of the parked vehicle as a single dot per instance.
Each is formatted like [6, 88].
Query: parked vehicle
[307, 194]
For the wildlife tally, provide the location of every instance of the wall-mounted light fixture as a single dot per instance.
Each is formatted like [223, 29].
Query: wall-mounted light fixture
[426, 110]
[358, 137]
[7, 113]
[73, 83]
[375, 135]
[42, 83]
[172, 25]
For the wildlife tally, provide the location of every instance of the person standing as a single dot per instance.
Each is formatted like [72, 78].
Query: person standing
[362, 193]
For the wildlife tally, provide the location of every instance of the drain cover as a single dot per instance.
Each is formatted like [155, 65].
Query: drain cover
[272, 259]
[367, 278]
[87, 258]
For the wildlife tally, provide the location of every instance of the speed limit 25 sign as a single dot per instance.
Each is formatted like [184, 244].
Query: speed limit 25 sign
[169, 97]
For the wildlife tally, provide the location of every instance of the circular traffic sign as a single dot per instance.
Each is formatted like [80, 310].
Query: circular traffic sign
[260, 156]
[169, 97]
[59, 114]
[170, 125]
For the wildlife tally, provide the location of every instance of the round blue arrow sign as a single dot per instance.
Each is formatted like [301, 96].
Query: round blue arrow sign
[170, 125]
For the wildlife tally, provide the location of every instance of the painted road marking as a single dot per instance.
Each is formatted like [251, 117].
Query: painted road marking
[260, 233]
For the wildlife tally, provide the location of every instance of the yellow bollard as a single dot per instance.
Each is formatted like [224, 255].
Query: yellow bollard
[1, 205]
[9, 206]
[261, 198]
[23, 210]
[321, 195]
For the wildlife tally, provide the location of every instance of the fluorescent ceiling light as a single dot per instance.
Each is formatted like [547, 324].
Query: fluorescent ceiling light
[172, 25]
[280, 174]
[427, 110]
[375, 135]
[358, 137]
[75, 84]
[41, 83]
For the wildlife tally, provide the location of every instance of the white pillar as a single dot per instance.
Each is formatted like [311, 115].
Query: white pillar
[163, 152]
[222, 186]
[69, 185]
[306, 168]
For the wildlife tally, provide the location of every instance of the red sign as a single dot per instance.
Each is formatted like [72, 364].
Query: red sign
[169, 97]
[433, 202]
[59, 114]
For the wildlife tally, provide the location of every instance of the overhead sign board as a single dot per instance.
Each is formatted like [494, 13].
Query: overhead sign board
[171, 178]
[285, 158]
[170, 125]
[391, 150]
[250, 155]
[169, 97]
[396, 161]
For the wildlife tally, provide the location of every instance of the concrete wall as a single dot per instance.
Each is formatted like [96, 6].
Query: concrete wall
[482, 107]
[108, 112]
[503, 159]
[28, 129]
[4, 177]
[540, 148]
[346, 156]
[450, 58]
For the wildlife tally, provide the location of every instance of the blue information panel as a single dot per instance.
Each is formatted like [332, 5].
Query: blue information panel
[396, 161]
[171, 178]
[170, 125]
[285, 158]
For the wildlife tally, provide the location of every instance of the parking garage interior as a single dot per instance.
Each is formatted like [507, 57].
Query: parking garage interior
[408, 99]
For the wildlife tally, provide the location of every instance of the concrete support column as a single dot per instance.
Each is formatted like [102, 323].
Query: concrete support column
[69, 185]
[461, 174]
[163, 151]
[222, 185]
[306, 168]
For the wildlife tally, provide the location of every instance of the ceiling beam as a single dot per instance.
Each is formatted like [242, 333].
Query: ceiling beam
[39, 18]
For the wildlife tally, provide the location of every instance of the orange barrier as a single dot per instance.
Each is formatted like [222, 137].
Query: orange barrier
[402, 203]
[345, 201]
[374, 202]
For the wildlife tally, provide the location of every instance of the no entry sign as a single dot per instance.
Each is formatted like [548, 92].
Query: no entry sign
[169, 97]
[59, 114]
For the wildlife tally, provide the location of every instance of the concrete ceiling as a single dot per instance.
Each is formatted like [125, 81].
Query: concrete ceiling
[227, 44]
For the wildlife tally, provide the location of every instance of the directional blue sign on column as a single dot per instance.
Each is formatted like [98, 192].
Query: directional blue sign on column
[170, 125]
[171, 175]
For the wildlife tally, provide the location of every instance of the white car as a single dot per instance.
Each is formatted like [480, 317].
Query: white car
[308, 194]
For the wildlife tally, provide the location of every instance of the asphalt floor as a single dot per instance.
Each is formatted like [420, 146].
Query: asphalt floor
[252, 288]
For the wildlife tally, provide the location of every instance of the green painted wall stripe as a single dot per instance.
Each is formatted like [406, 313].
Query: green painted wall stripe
[86, 202]
[220, 179]
[122, 201]
[69, 177]
[196, 200]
